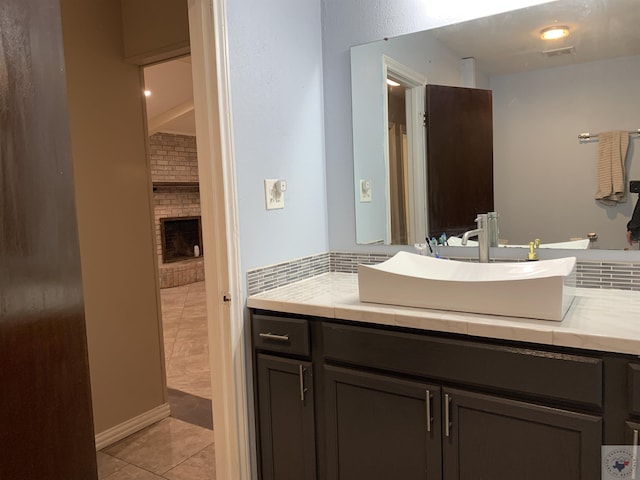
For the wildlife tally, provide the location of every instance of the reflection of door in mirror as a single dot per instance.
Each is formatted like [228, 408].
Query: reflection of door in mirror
[397, 128]
[459, 157]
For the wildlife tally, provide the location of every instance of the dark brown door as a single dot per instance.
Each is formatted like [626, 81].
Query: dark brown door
[500, 439]
[459, 157]
[286, 419]
[46, 427]
[381, 428]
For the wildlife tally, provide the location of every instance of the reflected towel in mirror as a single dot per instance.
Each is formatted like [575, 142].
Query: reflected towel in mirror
[612, 151]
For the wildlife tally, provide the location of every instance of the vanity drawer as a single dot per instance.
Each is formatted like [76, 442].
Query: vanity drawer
[282, 335]
[634, 388]
[535, 373]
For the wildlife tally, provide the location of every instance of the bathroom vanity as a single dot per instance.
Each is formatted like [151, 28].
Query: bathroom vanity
[350, 390]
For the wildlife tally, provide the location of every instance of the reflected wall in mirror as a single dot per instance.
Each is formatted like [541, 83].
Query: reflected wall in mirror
[545, 178]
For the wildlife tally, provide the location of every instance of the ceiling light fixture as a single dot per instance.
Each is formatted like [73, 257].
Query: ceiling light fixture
[554, 33]
[392, 83]
[147, 93]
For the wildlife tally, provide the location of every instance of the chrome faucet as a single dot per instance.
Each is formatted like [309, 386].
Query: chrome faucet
[493, 229]
[482, 232]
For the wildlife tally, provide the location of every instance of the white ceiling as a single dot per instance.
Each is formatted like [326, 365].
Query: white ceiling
[170, 105]
[510, 42]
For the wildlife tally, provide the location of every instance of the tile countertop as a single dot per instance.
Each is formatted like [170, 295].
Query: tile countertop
[603, 320]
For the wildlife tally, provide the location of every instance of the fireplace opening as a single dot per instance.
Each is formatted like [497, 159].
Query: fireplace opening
[180, 236]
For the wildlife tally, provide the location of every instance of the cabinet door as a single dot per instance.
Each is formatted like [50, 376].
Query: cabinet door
[286, 419]
[634, 388]
[488, 437]
[381, 427]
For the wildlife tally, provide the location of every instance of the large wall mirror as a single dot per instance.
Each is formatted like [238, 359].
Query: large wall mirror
[545, 94]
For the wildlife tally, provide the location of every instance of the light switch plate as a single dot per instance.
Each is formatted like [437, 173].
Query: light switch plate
[272, 197]
[365, 190]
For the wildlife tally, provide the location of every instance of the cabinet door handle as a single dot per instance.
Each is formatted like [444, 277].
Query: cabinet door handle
[429, 418]
[273, 336]
[635, 438]
[447, 422]
[303, 390]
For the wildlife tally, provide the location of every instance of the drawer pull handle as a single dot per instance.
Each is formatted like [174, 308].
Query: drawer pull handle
[273, 336]
[303, 390]
[429, 417]
[447, 422]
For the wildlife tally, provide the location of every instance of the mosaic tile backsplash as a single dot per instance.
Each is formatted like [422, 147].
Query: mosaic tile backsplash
[620, 275]
[278, 275]
[590, 274]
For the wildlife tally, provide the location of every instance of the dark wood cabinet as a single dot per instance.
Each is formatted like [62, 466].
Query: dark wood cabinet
[380, 427]
[501, 439]
[401, 403]
[286, 418]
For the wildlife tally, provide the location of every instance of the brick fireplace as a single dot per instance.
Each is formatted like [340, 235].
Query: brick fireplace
[181, 238]
[176, 196]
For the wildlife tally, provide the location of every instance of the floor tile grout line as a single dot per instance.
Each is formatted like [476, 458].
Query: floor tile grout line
[192, 299]
[158, 474]
[118, 469]
[188, 458]
[175, 337]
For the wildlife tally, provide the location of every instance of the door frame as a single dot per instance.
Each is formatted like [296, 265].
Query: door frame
[415, 84]
[219, 213]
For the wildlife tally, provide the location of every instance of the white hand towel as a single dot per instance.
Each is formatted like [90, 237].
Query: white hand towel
[612, 151]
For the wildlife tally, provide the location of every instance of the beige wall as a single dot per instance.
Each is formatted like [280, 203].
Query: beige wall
[115, 215]
[154, 30]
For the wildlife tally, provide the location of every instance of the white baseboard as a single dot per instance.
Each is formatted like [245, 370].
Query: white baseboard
[113, 434]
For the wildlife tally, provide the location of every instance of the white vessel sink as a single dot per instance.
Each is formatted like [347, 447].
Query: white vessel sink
[542, 289]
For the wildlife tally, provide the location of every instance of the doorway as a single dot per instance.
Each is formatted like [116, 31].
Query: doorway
[178, 236]
[405, 170]
[219, 222]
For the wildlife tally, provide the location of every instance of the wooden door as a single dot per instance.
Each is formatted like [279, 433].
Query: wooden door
[380, 427]
[459, 157]
[286, 419]
[46, 426]
[500, 439]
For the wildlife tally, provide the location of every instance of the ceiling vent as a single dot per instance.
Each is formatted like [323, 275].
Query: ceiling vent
[560, 51]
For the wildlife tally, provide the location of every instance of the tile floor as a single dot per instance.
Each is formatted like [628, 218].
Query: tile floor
[186, 345]
[172, 449]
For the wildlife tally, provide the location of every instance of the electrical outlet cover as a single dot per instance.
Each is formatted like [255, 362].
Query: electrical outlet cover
[273, 199]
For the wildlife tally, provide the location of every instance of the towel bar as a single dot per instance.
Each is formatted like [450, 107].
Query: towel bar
[588, 136]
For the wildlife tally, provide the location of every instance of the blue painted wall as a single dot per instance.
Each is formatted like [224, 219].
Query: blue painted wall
[275, 56]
